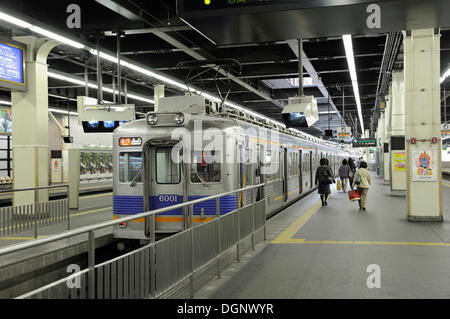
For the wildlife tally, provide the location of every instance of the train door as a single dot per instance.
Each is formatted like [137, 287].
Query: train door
[166, 185]
[300, 172]
[284, 172]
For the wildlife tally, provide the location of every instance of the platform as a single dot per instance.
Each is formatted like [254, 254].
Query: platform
[324, 252]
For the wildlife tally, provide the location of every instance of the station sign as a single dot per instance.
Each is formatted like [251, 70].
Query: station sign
[12, 65]
[365, 142]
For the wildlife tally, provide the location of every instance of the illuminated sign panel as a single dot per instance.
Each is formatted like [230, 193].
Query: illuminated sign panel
[12, 65]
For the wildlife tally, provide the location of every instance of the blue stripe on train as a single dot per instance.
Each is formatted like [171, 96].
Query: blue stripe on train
[129, 205]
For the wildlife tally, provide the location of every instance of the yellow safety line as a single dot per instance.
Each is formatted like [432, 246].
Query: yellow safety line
[445, 184]
[289, 232]
[92, 211]
[350, 242]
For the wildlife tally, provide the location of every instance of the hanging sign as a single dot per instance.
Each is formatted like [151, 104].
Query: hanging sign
[423, 168]
[399, 161]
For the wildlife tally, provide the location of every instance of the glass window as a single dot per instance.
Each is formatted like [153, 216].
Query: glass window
[130, 164]
[205, 167]
[167, 171]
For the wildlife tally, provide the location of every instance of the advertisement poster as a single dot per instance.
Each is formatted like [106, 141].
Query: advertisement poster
[56, 170]
[400, 161]
[424, 166]
[5, 121]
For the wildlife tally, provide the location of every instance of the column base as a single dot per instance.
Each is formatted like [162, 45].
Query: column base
[425, 219]
[398, 193]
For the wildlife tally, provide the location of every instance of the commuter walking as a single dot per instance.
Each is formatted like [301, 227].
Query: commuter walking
[344, 173]
[324, 178]
[352, 166]
[362, 182]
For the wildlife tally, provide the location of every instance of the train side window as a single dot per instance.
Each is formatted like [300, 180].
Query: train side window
[205, 167]
[130, 164]
[167, 171]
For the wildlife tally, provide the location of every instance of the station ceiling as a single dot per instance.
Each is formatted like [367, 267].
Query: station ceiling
[157, 38]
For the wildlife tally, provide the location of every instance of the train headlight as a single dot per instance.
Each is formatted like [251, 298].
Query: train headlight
[179, 119]
[152, 119]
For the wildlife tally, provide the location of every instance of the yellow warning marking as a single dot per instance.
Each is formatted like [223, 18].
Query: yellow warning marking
[445, 184]
[91, 211]
[96, 196]
[349, 242]
[289, 232]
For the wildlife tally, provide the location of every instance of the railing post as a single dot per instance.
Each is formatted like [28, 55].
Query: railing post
[152, 266]
[238, 253]
[191, 277]
[91, 264]
[219, 235]
[68, 207]
[264, 228]
[253, 219]
[36, 211]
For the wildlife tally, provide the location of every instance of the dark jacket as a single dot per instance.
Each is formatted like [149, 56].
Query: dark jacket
[324, 189]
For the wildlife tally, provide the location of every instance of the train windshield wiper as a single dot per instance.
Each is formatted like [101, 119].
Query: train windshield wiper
[136, 178]
[199, 177]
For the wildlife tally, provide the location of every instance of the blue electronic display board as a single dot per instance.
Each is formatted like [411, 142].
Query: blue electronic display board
[12, 65]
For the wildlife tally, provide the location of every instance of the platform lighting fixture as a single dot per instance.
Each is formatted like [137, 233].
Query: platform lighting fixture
[348, 45]
[445, 75]
[5, 103]
[62, 39]
[94, 86]
[62, 112]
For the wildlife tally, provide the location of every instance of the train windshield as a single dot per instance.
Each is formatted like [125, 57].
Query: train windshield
[167, 171]
[206, 167]
[130, 167]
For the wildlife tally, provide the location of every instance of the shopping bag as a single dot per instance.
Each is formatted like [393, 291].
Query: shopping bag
[338, 186]
[353, 195]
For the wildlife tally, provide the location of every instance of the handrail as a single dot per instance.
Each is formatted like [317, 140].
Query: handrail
[88, 229]
[33, 188]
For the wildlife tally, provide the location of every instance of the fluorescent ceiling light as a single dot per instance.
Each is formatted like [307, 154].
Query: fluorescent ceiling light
[348, 45]
[94, 86]
[445, 75]
[166, 80]
[5, 102]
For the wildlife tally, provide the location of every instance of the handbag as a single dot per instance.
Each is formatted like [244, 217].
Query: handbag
[338, 186]
[354, 195]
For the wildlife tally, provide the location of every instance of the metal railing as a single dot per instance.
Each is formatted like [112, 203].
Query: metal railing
[154, 269]
[28, 217]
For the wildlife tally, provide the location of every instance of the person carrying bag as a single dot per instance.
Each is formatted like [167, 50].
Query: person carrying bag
[324, 178]
[362, 181]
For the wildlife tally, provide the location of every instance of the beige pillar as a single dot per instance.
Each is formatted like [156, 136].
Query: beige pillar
[397, 142]
[30, 123]
[423, 119]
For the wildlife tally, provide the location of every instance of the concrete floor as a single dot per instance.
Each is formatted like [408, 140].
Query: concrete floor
[327, 255]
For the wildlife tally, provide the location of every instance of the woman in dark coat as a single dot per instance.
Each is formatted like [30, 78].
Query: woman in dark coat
[324, 177]
[352, 166]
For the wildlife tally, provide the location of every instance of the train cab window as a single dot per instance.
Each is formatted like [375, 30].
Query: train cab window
[130, 165]
[167, 171]
[206, 167]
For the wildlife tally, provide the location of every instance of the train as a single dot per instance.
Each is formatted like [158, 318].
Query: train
[190, 150]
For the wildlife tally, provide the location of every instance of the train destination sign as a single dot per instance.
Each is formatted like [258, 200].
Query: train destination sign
[12, 65]
[365, 142]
